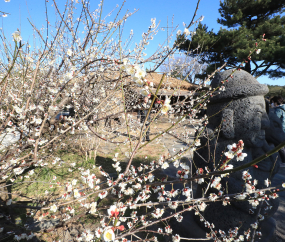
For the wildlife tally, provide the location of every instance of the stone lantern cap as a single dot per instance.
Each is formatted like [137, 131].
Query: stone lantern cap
[240, 85]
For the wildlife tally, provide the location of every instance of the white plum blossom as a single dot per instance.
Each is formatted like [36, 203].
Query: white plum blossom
[158, 213]
[179, 218]
[17, 36]
[241, 156]
[266, 182]
[216, 183]
[175, 238]
[74, 181]
[18, 170]
[168, 229]
[255, 225]
[153, 22]
[176, 163]
[76, 193]
[213, 197]
[258, 233]
[173, 205]
[125, 61]
[140, 73]
[93, 207]
[201, 180]
[53, 208]
[113, 211]
[130, 70]
[229, 154]
[166, 106]
[108, 234]
[129, 191]
[254, 203]
[145, 92]
[249, 188]
[246, 175]
[87, 235]
[202, 206]
[197, 142]
[186, 31]
[139, 81]
[69, 52]
[186, 191]
[241, 196]
[273, 196]
[165, 165]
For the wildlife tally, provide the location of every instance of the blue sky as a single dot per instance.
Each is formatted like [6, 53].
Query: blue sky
[176, 11]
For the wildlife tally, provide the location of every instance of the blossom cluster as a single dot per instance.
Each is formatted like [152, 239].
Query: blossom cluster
[53, 102]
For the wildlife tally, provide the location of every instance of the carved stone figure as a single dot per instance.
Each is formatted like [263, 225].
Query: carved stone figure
[240, 113]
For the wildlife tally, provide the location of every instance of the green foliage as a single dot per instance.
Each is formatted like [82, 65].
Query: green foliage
[248, 20]
[235, 13]
[276, 91]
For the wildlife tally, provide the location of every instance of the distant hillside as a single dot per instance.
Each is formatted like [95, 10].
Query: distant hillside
[276, 90]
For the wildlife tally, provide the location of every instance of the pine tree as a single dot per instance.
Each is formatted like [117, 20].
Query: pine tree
[247, 21]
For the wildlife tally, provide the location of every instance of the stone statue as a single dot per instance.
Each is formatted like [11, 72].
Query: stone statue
[240, 112]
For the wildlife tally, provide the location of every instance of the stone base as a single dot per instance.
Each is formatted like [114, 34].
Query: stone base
[189, 228]
[267, 229]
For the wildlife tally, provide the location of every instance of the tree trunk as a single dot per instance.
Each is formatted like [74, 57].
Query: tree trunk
[247, 67]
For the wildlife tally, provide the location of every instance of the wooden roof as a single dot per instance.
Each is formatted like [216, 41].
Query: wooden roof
[170, 82]
[165, 92]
